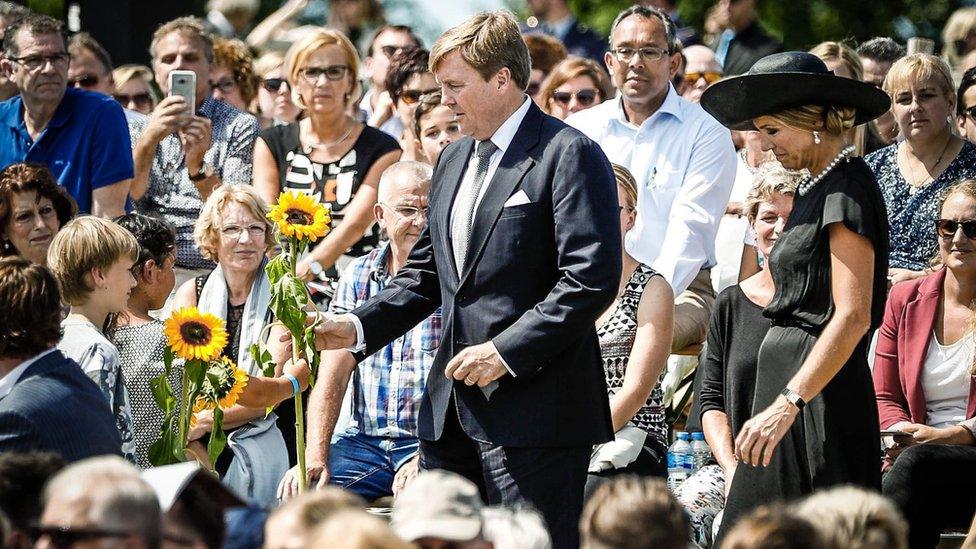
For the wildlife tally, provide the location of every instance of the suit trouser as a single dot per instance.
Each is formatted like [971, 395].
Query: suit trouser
[692, 311]
[550, 479]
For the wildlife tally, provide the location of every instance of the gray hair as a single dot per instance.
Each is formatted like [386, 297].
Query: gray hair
[848, 516]
[648, 12]
[410, 169]
[881, 49]
[114, 495]
[770, 177]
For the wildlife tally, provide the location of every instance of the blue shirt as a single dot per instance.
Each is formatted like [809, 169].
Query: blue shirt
[86, 144]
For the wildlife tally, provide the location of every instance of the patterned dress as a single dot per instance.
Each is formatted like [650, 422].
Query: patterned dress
[912, 212]
[617, 336]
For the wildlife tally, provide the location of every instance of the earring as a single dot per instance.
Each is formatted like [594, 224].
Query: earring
[816, 138]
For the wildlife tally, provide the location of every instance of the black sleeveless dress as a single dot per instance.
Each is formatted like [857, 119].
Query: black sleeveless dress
[835, 438]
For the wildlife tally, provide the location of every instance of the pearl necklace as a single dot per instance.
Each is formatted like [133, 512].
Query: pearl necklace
[809, 182]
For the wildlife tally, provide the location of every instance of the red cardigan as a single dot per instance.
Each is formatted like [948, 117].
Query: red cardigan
[903, 342]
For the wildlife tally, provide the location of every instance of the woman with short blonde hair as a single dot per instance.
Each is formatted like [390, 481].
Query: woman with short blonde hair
[328, 154]
[134, 89]
[273, 101]
[575, 84]
[915, 172]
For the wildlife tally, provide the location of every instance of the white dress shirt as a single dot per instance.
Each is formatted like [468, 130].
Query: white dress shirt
[684, 163]
[8, 381]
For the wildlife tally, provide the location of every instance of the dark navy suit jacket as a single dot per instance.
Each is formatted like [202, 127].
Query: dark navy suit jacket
[55, 407]
[536, 278]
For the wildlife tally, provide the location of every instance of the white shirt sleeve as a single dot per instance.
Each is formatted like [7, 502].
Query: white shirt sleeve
[360, 339]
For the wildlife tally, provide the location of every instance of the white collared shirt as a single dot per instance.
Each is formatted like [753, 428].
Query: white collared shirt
[684, 163]
[8, 381]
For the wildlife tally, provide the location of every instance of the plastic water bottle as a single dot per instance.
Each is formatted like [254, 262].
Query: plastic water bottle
[679, 460]
[700, 451]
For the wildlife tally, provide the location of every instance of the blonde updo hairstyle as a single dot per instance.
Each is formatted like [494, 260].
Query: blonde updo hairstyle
[831, 120]
[308, 44]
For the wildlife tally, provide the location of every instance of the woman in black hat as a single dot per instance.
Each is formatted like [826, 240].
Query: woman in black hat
[815, 421]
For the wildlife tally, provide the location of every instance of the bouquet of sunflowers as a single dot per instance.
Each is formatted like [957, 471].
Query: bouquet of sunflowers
[210, 382]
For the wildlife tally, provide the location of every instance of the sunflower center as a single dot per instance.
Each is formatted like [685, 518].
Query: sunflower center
[298, 217]
[195, 333]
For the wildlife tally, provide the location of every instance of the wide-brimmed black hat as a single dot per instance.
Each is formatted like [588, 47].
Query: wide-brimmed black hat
[787, 80]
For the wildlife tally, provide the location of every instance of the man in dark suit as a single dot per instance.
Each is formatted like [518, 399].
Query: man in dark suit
[46, 402]
[743, 42]
[522, 250]
[553, 17]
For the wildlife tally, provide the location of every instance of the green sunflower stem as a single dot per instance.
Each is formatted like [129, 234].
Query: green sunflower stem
[299, 428]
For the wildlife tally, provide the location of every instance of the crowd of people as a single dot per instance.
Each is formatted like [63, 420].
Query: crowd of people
[549, 252]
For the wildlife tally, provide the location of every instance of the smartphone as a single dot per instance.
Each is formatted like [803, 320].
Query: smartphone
[184, 84]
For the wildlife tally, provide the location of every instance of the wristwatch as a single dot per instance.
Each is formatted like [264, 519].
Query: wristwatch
[206, 170]
[316, 269]
[794, 398]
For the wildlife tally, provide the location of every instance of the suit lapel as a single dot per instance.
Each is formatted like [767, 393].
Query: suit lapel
[451, 181]
[920, 321]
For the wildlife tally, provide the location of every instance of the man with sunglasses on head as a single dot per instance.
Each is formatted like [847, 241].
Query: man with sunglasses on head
[682, 158]
[377, 106]
[701, 71]
[82, 137]
[187, 151]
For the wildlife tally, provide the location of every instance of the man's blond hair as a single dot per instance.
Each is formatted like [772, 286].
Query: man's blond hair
[488, 41]
[87, 243]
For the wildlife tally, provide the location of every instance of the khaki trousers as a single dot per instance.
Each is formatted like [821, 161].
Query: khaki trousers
[692, 311]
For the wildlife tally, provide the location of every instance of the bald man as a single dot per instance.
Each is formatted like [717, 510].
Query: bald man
[701, 71]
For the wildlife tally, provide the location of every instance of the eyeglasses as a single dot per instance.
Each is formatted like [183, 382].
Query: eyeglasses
[408, 212]
[710, 77]
[233, 232]
[142, 100]
[225, 86]
[34, 62]
[390, 51]
[84, 81]
[333, 73]
[65, 537]
[410, 97]
[273, 85]
[533, 88]
[947, 228]
[649, 53]
[584, 97]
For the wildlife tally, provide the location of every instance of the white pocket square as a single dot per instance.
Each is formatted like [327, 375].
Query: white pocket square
[517, 199]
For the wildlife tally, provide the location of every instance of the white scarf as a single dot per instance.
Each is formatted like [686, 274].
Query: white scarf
[213, 299]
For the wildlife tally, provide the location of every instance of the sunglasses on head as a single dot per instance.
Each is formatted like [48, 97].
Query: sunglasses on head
[84, 81]
[710, 77]
[947, 228]
[410, 97]
[140, 99]
[273, 85]
[583, 97]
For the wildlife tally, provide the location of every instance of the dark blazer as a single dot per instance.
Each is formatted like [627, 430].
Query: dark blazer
[749, 45]
[537, 277]
[55, 407]
[903, 342]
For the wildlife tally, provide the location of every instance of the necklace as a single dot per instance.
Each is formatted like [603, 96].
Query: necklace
[744, 156]
[312, 146]
[808, 182]
[915, 187]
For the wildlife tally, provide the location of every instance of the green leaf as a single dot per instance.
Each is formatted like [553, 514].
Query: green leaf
[218, 438]
[162, 393]
[312, 355]
[263, 359]
[165, 451]
[288, 300]
[277, 267]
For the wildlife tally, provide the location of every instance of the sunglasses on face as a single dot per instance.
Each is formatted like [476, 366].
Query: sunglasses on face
[410, 97]
[710, 77]
[142, 100]
[273, 85]
[947, 228]
[65, 537]
[390, 51]
[84, 81]
[583, 97]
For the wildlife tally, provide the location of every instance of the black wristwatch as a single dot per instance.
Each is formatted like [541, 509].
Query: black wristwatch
[794, 398]
[206, 170]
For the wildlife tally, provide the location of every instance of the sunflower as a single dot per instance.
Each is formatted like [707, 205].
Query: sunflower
[299, 215]
[193, 335]
[222, 385]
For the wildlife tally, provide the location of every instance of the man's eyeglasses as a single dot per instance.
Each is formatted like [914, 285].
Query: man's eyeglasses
[408, 212]
[410, 97]
[947, 228]
[34, 62]
[710, 77]
[84, 81]
[333, 73]
[233, 232]
[390, 51]
[65, 537]
[584, 97]
[273, 85]
[225, 86]
[141, 100]
[648, 53]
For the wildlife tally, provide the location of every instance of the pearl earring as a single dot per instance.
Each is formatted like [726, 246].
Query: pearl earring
[816, 138]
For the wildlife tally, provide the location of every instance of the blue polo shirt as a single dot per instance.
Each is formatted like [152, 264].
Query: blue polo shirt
[86, 144]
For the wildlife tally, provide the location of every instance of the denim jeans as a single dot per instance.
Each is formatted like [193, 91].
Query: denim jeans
[366, 464]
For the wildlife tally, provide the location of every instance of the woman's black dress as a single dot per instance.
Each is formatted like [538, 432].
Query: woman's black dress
[834, 440]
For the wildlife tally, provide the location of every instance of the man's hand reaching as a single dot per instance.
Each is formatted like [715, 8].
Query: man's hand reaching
[332, 332]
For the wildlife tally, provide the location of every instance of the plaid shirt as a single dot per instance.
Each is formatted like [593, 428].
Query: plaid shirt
[389, 385]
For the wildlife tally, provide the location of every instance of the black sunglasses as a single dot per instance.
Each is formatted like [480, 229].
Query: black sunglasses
[65, 537]
[85, 81]
[947, 228]
[584, 97]
[410, 97]
[140, 99]
[273, 85]
[390, 51]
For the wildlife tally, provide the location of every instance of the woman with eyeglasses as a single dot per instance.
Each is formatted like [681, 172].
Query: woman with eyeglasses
[33, 208]
[133, 88]
[232, 78]
[407, 79]
[915, 172]
[329, 154]
[575, 84]
[273, 102]
[923, 379]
